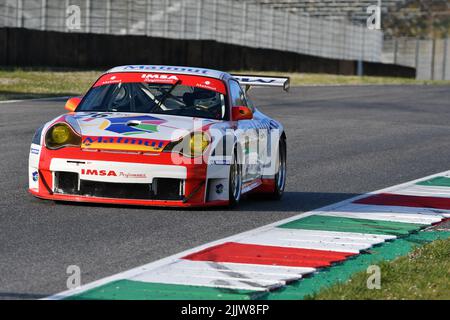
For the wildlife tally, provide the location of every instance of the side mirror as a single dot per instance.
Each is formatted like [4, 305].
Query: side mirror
[241, 113]
[72, 104]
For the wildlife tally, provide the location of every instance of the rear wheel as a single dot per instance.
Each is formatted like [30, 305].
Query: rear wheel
[280, 177]
[235, 181]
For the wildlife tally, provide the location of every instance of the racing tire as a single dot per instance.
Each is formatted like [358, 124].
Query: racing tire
[235, 181]
[280, 176]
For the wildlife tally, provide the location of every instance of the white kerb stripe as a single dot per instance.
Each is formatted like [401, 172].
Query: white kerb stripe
[246, 267]
[304, 233]
[354, 207]
[424, 191]
[242, 270]
[383, 216]
[325, 236]
[274, 238]
[209, 277]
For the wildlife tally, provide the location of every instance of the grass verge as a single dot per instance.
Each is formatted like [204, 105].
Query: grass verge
[422, 274]
[25, 84]
[30, 83]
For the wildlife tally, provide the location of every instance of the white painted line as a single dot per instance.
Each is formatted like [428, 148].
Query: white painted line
[135, 272]
[34, 99]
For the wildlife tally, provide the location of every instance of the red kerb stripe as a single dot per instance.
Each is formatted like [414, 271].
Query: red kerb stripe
[389, 199]
[268, 255]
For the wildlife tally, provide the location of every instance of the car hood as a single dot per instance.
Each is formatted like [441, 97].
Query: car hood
[137, 125]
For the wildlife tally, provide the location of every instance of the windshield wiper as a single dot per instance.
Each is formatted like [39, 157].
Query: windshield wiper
[165, 95]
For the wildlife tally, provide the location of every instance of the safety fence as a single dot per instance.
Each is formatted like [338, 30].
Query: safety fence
[28, 47]
[227, 21]
[431, 57]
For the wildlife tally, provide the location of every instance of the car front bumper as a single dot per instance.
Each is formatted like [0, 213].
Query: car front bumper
[71, 174]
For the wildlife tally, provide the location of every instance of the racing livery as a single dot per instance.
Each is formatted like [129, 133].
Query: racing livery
[162, 136]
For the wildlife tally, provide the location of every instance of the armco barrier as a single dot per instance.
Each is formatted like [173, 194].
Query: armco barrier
[35, 48]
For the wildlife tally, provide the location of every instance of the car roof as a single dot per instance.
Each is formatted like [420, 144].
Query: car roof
[172, 69]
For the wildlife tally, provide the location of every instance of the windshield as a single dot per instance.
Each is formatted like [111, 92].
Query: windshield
[177, 95]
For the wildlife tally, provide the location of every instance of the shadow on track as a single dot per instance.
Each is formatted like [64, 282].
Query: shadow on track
[294, 201]
[291, 202]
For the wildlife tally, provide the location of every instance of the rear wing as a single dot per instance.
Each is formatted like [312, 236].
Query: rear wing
[262, 81]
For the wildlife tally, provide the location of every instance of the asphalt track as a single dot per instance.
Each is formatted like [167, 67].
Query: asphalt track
[342, 141]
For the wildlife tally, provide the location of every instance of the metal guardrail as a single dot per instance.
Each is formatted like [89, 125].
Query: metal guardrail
[228, 21]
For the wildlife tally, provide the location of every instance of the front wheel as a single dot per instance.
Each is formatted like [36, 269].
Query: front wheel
[235, 181]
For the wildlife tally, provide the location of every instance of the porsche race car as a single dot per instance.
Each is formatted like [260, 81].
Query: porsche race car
[161, 136]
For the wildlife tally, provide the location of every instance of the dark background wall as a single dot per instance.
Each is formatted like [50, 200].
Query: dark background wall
[34, 48]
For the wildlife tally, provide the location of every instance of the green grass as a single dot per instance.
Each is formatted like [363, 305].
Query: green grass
[422, 274]
[33, 83]
[26, 84]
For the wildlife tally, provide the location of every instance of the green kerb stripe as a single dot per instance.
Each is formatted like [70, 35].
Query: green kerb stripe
[387, 251]
[340, 224]
[436, 182]
[136, 290]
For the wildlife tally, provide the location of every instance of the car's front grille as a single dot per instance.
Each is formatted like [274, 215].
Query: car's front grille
[116, 190]
[161, 189]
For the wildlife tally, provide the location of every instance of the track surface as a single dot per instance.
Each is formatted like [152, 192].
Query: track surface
[342, 141]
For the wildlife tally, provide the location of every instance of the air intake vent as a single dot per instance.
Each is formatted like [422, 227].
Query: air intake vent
[66, 182]
[168, 189]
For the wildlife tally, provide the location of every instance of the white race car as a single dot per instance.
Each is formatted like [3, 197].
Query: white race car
[161, 136]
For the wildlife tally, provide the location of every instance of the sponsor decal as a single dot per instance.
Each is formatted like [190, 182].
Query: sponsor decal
[263, 81]
[258, 80]
[112, 80]
[159, 78]
[35, 176]
[132, 125]
[166, 68]
[207, 84]
[163, 78]
[90, 116]
[123, 143]
[112, 173]
[34, 151]
[95, 172]
[273, 124]
[133, 175]
[219, 188]
[124, 125]
[221, 162]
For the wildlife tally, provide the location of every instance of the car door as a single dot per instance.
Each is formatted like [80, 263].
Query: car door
[263, 130]
[247, 135]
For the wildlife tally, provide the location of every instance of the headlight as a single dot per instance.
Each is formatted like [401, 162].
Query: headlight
[198, 143]
[190, 146]
[61, 135]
